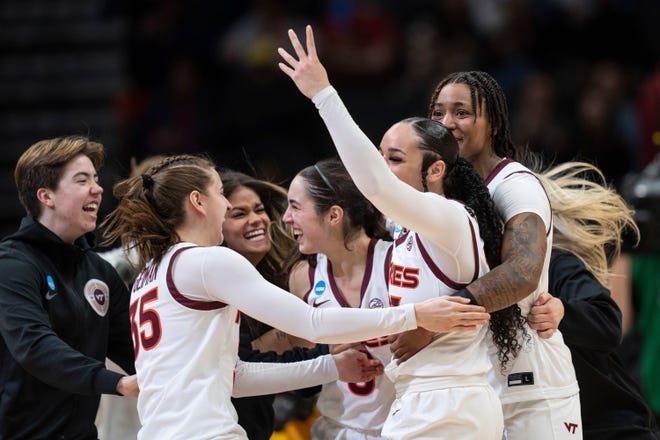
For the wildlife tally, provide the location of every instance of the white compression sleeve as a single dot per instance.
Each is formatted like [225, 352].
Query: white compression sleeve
[444, 223]
[258, 378]
[219, 274]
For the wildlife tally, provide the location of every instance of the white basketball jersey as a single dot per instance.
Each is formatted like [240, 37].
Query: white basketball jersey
[543, 368]
[363, 405]
[185, 384]
[452, 358]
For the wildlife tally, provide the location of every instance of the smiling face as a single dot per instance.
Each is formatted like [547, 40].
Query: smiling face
[308, 226]
[246, 225]
[453, 108]
[71, 209]
[399, 147]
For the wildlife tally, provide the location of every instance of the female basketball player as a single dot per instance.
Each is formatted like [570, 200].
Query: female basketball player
[185, 306]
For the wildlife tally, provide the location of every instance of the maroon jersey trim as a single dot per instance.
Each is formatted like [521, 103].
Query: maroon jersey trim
[180, 297]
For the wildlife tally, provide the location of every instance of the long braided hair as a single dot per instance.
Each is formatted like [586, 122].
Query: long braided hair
[463, 183]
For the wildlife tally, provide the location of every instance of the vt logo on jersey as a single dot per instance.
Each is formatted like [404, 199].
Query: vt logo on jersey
[406, 277]
[97, 295]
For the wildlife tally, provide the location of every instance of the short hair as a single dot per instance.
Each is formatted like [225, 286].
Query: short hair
[42, 165]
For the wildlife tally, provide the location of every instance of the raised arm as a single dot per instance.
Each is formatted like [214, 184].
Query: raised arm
[445, 223]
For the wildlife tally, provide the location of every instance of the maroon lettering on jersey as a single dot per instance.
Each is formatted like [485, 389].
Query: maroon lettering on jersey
[144, 318]
[147, 275]
[395, 301]
[406, 277]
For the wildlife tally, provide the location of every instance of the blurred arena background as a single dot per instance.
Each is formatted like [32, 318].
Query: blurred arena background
[148, 77]
[143, 77]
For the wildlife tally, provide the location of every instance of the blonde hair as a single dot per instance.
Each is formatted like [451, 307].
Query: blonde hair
[589, 217]
[137, 168]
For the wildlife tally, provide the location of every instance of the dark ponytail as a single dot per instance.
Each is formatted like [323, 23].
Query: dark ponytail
[462, 182]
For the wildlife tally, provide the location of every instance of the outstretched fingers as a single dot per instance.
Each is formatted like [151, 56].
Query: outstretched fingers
[300, 51]
[306, 70]
[311, 44]
[287, 57]
[290, 59]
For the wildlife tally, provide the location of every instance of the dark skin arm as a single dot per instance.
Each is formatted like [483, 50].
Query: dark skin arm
[523, 252]
[407, 344]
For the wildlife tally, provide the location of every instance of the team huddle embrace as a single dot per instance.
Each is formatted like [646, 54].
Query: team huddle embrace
[428, 287]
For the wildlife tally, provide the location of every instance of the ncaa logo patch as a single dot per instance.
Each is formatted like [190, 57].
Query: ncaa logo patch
[52, 291]
[397, 230]
[97, 295]
[319, 287]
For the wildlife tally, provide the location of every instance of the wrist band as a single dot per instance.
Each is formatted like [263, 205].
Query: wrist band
[466, 294]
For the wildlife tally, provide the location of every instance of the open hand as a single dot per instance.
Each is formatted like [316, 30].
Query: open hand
[357, 366]
[307, 72]
[449, 314]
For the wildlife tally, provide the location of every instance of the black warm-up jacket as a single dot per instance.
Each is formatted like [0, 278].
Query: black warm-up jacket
[611, 401]
[63, 310]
